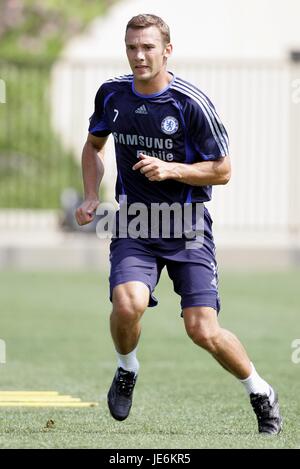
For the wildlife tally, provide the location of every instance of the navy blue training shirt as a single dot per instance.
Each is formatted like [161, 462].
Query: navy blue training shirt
[177, 124]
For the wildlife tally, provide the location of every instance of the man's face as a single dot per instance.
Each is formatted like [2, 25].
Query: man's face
[146, 52]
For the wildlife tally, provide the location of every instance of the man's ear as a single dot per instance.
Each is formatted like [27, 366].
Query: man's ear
[168, 50]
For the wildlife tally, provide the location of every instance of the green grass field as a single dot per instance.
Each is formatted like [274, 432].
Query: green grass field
[56, 330]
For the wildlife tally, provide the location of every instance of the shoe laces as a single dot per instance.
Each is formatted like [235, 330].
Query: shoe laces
[261, 406]
[125, 382]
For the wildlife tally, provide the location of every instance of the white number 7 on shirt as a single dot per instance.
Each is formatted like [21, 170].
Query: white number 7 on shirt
[117, 113]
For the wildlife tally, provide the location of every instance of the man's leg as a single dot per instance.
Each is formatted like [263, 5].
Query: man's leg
[129, 300]
[203, 328]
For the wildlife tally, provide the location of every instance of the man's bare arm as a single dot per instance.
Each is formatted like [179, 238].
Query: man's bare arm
[92, 174]
[209, 173]
[197, 174]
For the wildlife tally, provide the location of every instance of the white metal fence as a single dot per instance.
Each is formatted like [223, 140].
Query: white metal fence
[259, 103]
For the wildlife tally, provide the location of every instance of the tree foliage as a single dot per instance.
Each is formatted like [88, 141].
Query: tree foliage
[34, 29]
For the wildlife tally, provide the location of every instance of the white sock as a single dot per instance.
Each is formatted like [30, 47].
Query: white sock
[128, 362]
[255, 384]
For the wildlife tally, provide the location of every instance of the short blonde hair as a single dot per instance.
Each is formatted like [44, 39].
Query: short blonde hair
[146, 20]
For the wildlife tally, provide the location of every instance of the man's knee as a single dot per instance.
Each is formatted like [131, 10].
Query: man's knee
[206, 339]
[202, 327]
[128, 311]
[130, 301]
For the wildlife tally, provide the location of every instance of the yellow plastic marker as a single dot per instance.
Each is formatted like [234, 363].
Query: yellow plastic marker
[40, 399]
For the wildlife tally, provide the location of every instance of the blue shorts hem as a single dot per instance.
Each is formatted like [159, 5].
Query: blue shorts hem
[193, 302]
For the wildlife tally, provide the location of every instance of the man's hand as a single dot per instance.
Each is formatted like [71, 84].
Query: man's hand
[85, 213]
[153, 168]
[202, 173]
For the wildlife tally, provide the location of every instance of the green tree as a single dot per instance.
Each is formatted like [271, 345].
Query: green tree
[34, 167]
[35, 29]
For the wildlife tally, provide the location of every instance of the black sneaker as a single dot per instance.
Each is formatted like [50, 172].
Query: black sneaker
[119, 396]
[268, 415]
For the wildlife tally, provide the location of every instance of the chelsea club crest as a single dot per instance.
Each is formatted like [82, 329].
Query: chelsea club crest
[169, 125]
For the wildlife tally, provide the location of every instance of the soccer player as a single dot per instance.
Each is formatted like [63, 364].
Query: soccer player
[171, 148]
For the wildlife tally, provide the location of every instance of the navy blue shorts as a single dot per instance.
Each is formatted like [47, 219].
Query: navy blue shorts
[193, 271]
